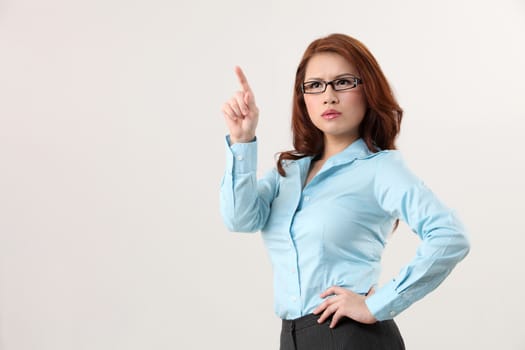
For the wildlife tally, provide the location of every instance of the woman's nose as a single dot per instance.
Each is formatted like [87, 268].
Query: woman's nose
[330, 96]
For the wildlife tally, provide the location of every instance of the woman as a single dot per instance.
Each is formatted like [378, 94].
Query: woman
[326, 210]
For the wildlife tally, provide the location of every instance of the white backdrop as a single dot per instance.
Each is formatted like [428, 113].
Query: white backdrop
[111, 154]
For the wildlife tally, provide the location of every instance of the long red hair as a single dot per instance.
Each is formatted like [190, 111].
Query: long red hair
[382, 120]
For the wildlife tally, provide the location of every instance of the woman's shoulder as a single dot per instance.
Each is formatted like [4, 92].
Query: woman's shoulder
[391, 169]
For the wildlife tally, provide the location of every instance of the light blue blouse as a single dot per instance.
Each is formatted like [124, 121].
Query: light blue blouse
[333, 230]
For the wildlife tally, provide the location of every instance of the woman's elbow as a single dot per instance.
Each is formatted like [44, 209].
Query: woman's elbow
[235, 225]
[461, 245]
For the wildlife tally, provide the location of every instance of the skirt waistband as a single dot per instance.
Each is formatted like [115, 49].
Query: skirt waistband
[301, 322]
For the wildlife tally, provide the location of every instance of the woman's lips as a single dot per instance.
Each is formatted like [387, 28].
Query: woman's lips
[330, 114]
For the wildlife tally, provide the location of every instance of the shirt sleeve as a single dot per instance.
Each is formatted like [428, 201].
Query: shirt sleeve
[444, 241]
[245, 201]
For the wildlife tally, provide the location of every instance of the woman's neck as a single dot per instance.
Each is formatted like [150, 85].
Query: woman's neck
[333, 146]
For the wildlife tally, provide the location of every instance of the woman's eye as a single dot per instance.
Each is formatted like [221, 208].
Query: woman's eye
[343, 82]
[313, 85]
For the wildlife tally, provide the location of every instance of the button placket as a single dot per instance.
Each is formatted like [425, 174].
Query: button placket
[294, 283]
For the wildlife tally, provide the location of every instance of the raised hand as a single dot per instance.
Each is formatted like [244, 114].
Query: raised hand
[240, 112]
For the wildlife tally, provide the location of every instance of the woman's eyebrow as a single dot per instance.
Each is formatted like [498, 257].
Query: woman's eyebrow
[336, 77]
[345, 75]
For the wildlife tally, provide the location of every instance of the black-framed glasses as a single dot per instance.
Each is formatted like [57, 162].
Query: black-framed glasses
[340, 84]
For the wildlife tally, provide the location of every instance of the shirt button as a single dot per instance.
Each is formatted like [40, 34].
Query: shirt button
[392, 313]
[240, 158]
[294, 298]
[306, 198]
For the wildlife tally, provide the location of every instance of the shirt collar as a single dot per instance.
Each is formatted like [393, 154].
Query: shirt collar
[356, 150]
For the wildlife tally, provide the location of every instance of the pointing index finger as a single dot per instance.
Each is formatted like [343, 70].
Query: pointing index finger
[242, 79]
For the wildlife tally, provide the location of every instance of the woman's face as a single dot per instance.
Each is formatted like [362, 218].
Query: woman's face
[336, 113]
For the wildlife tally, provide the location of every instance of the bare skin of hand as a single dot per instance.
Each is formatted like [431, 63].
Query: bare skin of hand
[240, 112]
[344, 303]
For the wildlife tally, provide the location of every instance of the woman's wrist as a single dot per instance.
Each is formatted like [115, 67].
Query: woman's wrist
[242, 139]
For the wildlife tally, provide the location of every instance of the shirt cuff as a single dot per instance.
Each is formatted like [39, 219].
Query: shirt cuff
[386, 303]
[241, 158]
